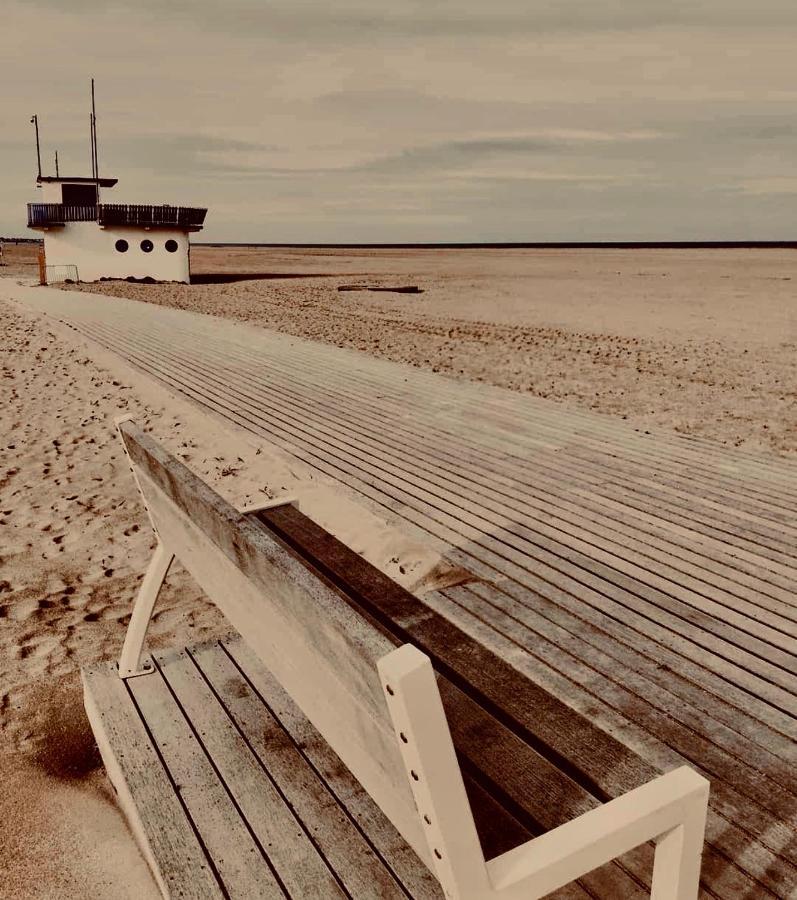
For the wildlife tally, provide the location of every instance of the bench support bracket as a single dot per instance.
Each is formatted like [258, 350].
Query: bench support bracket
[130, 661]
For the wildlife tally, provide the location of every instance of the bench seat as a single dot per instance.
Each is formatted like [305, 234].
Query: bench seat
[233, 792]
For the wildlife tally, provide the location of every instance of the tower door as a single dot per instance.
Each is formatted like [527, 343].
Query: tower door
[79, 194]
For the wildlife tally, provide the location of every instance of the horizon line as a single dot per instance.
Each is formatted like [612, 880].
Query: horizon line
[486, 245]
[509, 245]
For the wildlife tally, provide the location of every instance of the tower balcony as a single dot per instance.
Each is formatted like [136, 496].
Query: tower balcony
[56, 215]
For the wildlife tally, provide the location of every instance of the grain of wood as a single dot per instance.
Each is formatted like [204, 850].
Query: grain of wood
[159, 822]
[342, 844]
[235, 855]
[762, 687]
[323, 654]
[280, 836]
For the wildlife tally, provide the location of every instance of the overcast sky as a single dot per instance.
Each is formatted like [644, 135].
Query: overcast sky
[416, 120]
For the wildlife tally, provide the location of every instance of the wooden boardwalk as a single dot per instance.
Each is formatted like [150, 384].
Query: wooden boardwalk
[648, 581]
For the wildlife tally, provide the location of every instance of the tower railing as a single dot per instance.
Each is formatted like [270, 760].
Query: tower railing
[138, 214]
[42, 215]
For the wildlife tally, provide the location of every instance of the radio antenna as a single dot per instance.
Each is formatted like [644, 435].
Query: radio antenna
[56, 164]
[94, 133]
[91, 143]
[35, 122]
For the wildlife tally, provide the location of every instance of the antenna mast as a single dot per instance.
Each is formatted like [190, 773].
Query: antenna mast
[35, 122]
[96, 172]
[91, 142]
[56, 164]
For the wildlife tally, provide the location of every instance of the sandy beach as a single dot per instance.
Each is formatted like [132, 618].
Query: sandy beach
[697, 341]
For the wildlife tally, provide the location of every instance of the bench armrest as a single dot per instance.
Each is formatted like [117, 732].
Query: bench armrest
[670, 810]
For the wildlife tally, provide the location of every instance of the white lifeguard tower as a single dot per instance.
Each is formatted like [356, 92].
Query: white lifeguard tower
[87, 239]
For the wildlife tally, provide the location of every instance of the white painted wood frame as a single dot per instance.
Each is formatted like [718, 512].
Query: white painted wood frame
[395, 740]
[670, 810]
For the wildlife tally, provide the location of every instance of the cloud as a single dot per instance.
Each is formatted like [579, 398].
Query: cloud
[499, 150]
[362, 20]
[433, 120]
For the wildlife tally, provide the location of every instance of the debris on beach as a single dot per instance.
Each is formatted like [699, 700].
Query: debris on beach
[404, 289]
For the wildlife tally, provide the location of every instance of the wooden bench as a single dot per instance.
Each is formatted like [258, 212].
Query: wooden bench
[226, 758]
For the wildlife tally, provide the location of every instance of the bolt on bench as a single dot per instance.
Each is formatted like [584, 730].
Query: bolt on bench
[355, 743]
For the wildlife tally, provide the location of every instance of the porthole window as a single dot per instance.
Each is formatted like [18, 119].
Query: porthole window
[171, 246]
[147, 245]
[121, 245]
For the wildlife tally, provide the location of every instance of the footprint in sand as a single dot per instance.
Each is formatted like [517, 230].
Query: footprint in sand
[24, 609]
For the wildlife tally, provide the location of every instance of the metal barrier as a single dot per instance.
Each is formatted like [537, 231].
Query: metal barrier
[61, 273]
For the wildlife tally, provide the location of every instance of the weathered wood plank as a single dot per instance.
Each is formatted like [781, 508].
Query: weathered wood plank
[595, 668]
[187, 388]
[517, 430]
[322, 651]
[376, 374]
[549, 797]
[684, 446]
[483, 478]
[592, 757]
[158, 820]
[367, 817]
[346, 849]
[544, 441]
[498, 830]
[449, 475]
[281, 837]
[323, 660]
[281, 384]
[473, 668]
[235, 855]
[739, 676]
[758, 844]
[677, 617]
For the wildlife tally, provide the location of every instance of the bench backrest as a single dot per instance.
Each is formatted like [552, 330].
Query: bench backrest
[323, 652]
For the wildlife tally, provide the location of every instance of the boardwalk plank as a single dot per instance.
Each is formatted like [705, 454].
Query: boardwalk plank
[407, 617]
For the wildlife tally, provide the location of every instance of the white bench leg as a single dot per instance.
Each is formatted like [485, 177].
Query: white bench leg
[130, 660]
[676, 866]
